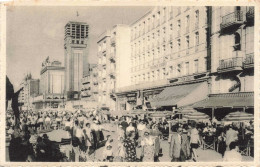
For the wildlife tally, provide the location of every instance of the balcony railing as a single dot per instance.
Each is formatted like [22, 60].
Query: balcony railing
[250, 14]
[232, 64]
[232, 19]
[249, 61]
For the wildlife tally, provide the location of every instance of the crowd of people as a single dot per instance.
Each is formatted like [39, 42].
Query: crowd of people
[136, 138]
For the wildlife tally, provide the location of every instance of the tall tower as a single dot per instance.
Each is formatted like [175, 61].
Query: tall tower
[75, 45]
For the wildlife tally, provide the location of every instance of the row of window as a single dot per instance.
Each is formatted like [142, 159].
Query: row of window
[152, 47]
[155, 53]
[181, 69]
[148, 25]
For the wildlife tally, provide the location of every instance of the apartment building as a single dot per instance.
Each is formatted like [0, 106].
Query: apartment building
[113, 64]
[232, 63]
[169, 46]
[52, 93]
[30, 90]
[89, 88]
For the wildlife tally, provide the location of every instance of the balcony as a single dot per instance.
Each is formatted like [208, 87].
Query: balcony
[249, 61]
[232, 64]
[250, 14]
[231, 21]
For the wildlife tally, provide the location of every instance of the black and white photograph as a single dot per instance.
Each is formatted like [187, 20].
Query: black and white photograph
[129, 83]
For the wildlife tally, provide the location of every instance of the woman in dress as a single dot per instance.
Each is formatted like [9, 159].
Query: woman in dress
[148, 147]
[130, 147]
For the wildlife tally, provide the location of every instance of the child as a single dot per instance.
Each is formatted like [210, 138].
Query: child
[108, 153]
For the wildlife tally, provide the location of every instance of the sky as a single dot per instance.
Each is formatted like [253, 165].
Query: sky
[34, 33]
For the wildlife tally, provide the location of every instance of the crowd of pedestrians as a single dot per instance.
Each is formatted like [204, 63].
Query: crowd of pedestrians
[136, 138]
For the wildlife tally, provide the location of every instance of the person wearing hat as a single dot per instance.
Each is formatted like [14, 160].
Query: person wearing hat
[148, 147]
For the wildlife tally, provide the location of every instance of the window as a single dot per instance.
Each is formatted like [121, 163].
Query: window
[163, 72]
[179, 45]
[196, 66]
[178, 69]
[187, 23]
[196, 41]
[148, 76]
[171, 27]
[178, 24]
[237, 45]
[196, 17]
[187, 42]
[196, 38]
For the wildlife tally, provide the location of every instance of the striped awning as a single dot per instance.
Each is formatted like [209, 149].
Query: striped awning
[235, 100]
[196, 116]
[181, 95]
[239, 116]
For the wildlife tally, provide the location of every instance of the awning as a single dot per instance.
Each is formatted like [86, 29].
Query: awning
[239, 116]
[235, 100]
[181, 95]
[197, 116]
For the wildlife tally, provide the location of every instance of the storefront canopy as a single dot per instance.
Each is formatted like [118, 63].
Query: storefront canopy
[181, 95]
[235, 100]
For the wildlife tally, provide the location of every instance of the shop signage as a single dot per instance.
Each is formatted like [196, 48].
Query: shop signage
[158, 65]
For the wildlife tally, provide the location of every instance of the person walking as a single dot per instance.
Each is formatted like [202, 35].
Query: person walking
[194, 142]
[185, 145]
[130, 147]
[175, 144]
[231, 135]
[148, 147]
